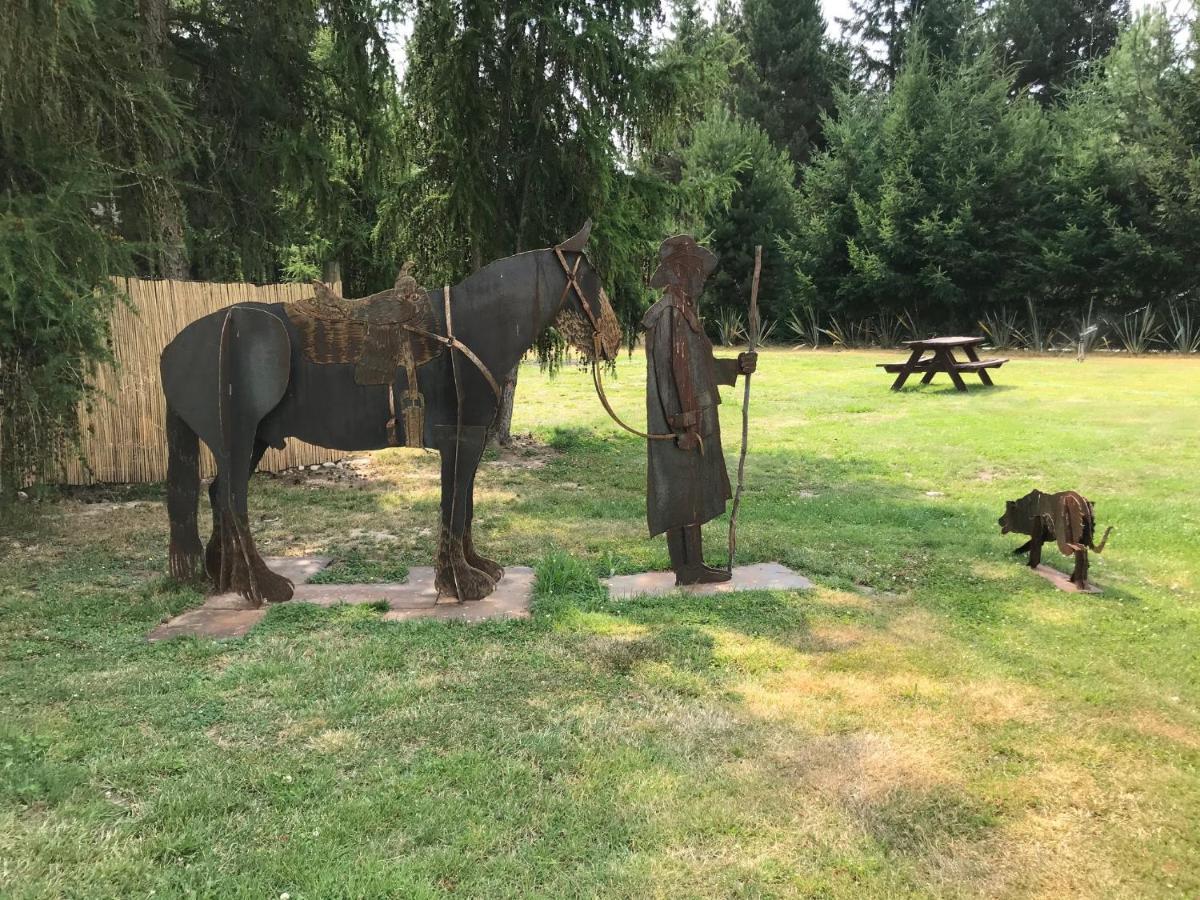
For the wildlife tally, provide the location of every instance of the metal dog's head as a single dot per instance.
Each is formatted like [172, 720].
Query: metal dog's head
[1008, 520]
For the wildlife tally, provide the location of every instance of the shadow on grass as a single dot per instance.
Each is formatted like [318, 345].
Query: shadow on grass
[946, 388]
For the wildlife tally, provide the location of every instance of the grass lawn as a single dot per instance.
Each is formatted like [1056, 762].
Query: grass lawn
[931, 719]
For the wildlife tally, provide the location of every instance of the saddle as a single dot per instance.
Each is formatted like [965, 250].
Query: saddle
[381, 335]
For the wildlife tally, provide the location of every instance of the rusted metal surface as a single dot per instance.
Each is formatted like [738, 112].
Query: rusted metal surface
[254, 375]
[1067, 518]
[387, 337]
[687, 482]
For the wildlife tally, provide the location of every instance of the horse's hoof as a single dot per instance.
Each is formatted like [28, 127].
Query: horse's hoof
[465, 583]
[478, 585]
[494, 570]
[489, 567]
[264, 587]
[274, 587]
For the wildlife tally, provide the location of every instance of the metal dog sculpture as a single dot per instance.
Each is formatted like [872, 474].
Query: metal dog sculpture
[1066, 517]
[404, 367]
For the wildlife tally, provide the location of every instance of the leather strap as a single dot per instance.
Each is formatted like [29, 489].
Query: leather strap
[391, 423]
[608, 408]
[573, 282]
[455, 344]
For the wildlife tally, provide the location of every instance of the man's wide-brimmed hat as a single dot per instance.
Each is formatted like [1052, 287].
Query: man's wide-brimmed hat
[681, 252]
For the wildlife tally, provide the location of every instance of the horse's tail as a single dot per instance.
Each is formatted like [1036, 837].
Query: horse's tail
[183, 494]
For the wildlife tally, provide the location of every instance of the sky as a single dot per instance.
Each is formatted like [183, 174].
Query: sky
[840, 9]
[833, 10]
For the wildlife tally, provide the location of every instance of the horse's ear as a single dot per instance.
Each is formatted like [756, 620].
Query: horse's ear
[578, 242]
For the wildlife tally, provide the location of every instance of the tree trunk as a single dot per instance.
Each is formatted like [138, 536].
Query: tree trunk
[163, 204]
[164, 215]
[332, 276]
[503, 432]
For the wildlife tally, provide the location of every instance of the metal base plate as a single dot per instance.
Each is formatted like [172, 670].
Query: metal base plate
[230, 615]
[757, 577]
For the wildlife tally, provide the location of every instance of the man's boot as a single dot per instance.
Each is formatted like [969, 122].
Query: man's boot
[687, 557]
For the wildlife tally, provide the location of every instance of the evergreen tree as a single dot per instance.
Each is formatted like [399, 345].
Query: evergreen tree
[1053, 42]
[221, 139]
[878, 27]
[758, 210]
[294, 101]
[85, 126]
[1129, 176]
[932, 200]
[789, 78]
[524, 112]
[883, 27]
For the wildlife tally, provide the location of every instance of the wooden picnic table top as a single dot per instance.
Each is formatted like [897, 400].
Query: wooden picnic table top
[935, 343]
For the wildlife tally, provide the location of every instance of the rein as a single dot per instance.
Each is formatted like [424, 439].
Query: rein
[572, 274]
[596, 379]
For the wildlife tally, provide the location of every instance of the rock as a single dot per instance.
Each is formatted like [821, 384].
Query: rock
[21, 495]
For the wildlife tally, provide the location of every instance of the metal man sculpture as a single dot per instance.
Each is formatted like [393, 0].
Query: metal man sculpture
[404, 367]
[687, 483]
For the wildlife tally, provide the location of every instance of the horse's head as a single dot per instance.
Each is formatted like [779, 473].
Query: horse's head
[587, 321]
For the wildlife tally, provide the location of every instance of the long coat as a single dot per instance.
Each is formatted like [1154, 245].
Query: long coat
[684, 487]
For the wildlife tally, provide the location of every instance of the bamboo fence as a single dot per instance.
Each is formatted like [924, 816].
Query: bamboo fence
[123, 435]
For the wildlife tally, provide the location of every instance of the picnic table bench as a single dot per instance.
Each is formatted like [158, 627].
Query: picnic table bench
[942, 360]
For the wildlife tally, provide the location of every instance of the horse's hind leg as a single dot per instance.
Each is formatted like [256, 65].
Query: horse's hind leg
[222, 374]
[183, 492]
[455, 576]
[217, 562]
[234, 561]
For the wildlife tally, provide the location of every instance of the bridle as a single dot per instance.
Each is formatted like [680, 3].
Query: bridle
[572, 273]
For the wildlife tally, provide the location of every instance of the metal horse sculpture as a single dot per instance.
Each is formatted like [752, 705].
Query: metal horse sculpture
[329, 371]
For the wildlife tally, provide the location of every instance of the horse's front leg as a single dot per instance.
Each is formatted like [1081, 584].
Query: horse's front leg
[494, 570]
[454, 574]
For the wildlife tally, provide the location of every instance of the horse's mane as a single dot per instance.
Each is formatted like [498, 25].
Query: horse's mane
[490, 269]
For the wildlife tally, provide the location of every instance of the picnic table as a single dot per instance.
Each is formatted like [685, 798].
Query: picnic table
[942, 360]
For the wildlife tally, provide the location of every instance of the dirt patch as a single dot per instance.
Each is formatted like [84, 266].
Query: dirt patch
[353, 471]
[525, 452]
